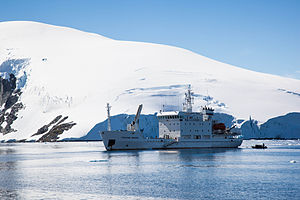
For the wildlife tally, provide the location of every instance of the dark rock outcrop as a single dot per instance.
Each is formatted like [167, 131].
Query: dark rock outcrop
[11, 117]
[9, 97]
[45, 128]
[7, 86]
[10, 104]
[58, 127]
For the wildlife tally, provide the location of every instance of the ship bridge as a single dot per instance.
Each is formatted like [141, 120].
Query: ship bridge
[187, 125]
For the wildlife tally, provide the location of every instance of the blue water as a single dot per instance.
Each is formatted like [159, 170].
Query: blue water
[82, 170]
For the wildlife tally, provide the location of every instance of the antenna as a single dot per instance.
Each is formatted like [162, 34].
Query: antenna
[189, 100]
[108, 107]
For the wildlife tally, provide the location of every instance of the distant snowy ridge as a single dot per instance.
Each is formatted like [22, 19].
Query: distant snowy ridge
[70, 73]
[282, 127]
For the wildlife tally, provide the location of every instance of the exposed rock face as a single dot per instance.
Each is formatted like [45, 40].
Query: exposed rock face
[45, 128]
[58, 128]
[9, 97]
[10, 106]
[7, 86]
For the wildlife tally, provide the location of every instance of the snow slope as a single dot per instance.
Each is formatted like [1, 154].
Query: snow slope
[63, 71]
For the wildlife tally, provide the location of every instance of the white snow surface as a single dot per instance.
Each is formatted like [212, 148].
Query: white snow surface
[63, 71]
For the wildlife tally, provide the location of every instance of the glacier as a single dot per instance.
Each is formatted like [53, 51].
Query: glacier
[66, 72]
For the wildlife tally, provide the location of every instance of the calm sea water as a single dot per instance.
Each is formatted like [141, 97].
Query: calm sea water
[84, 170]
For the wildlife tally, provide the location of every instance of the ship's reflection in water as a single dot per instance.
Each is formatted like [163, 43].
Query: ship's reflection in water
[84, 170]
[8, 173]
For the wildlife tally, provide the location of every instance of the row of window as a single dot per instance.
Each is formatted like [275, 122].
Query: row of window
[201, 124]
[190, 130]
[170, 131]
[129, 137]
[179, 117]
[196, 136]
[170, 117]
[170, 124]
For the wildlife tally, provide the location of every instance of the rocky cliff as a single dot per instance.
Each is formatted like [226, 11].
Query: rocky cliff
[11, 105]
[9, 97]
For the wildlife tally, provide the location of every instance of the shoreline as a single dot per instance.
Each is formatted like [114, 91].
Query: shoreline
[23, 141]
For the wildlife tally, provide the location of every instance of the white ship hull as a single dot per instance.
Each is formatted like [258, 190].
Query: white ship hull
[129, 140]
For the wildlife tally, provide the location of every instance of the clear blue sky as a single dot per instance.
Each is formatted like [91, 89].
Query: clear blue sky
[261, 35]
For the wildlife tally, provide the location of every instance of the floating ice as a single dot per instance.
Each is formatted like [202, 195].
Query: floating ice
[99, 161]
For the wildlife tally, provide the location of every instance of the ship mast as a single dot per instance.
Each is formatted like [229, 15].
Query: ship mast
[187, 105]
[108, 117]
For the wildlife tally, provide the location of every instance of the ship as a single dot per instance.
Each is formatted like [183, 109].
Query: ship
[176, 130]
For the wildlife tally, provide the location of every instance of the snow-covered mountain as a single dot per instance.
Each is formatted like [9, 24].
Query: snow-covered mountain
[64, 77]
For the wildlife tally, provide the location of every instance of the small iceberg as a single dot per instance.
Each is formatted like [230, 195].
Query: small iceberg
[293, 161]
[99, 161]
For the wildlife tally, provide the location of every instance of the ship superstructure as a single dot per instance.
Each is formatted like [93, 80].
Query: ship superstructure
[177, 130]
